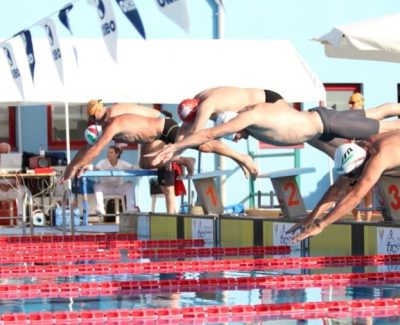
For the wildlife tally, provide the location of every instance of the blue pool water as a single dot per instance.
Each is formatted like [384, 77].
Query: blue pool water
[209, 297]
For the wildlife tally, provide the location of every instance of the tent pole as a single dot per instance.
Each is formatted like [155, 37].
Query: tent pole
[19, 129]
[67, 139]
[219, 160]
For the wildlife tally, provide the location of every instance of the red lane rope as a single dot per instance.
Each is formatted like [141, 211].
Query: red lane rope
[199, 266]
[204, 251]
[64, 238]
[179, 243]
[60, 256]
[111, 288]
[200, 314]
[32, 255]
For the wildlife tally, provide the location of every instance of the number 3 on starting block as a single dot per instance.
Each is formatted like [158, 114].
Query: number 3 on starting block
[390, 190]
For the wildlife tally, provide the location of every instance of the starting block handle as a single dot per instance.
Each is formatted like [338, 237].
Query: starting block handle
[216, 173]
[288, 172]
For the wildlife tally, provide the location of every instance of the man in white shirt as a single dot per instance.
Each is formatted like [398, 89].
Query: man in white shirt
[114, 185]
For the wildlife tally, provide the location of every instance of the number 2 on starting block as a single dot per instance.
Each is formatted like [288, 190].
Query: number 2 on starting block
[291, 192]
[289, 196]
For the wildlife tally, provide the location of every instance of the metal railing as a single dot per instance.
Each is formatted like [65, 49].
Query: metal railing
[271, 196]
[27, 203]
[68, 195]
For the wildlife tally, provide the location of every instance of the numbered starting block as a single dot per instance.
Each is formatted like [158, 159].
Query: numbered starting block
[389, 187]
[287, 190]
[206, 189]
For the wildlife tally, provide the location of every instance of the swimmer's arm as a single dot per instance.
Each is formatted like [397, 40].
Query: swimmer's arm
[326, 202]
[87, 156]
[204, 111]
[237, 124]
[331, 196]
[372, 171]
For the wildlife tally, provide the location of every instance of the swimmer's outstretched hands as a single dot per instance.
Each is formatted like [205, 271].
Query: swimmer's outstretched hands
[311, 230]
[301, 224]
[163, 155]
[74, 170]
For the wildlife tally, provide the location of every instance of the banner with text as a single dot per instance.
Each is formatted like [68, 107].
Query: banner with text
[203, 229]
[388, 242]
[108, 25]
[30, 55]
[52, 36]
[15, 73]
[175, 10]
[129, 9]
[63, 16]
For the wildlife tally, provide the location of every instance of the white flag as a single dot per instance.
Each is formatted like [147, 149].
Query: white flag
[52, 36]
[30, 55]
[15, 73]
[108, 25]
[176, 11]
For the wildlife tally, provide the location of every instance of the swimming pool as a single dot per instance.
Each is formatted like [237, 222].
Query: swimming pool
[120, 280]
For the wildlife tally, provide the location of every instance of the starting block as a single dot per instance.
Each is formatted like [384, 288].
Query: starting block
[206, 189]
[287, 190]
[389, 187]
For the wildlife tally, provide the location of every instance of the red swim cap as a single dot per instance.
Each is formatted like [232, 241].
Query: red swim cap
[187, 109]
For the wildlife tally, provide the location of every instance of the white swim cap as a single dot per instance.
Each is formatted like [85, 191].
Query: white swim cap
[225, 117]
[348, 157]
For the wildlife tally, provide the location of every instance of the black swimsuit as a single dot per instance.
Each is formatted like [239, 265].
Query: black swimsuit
[170, 131]
[271, 96]
[166, 177]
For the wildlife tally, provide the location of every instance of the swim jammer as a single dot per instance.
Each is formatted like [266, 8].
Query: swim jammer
[349, 124]
[170, 131]
[271, 96]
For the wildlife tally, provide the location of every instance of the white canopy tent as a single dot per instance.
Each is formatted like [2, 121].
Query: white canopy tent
[375, 39]
[159, 71]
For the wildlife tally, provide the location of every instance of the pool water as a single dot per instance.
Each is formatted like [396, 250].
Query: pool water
[167, 297]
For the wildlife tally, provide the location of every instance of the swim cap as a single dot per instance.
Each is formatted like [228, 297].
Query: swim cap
[187, 109]
[225, 117]
[348, 157]
[357, 98]
[92, 134]
[93, 105]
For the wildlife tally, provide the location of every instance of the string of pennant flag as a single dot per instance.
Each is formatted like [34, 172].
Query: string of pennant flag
[176, 10]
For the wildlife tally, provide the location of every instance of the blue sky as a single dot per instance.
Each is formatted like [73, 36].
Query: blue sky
[16, 15]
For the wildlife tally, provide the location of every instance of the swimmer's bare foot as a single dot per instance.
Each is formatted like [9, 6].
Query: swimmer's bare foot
[248, 164]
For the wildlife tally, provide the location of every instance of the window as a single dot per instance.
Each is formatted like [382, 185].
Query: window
[56, 126]
[337, 95]
[7, 125]
[78, 122]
